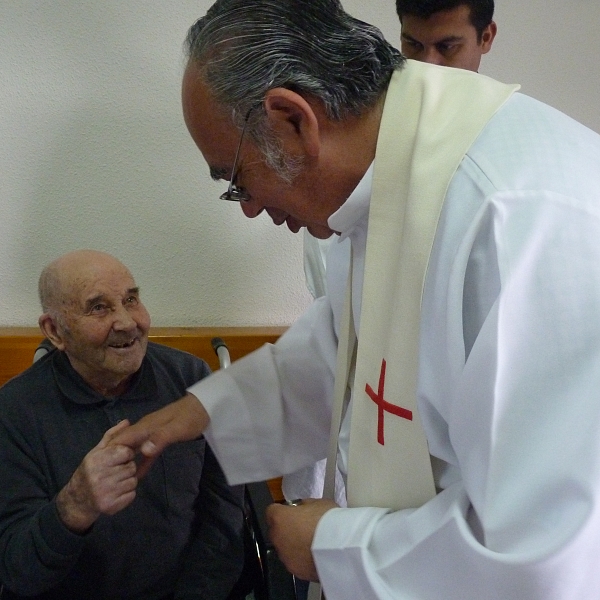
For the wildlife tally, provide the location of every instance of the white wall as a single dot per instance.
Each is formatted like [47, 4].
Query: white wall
[551, 48]
[94, 153]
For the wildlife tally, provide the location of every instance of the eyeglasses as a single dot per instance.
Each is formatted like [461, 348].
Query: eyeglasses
[235, 193]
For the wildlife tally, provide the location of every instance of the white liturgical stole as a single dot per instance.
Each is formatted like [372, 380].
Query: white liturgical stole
[430, 120]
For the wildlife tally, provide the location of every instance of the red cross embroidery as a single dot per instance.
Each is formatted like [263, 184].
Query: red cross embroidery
[384, 405]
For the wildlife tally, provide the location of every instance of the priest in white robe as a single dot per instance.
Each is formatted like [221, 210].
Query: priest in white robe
[508, 333]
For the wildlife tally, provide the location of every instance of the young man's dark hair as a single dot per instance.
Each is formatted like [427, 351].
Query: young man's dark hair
[481, 11]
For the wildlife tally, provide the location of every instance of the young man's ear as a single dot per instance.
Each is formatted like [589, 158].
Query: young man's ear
[48, 326]
[294, 121]
[487, 37]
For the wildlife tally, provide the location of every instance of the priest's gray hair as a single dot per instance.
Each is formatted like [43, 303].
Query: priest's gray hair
[313, 47]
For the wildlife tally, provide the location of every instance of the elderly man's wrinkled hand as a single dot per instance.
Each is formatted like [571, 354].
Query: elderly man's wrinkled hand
[104, 483]
[292, 529]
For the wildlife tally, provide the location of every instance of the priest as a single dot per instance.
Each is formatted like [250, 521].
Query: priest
[452, 366]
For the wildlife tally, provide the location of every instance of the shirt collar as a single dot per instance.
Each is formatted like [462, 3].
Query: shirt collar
[356, 208]
[73, 386]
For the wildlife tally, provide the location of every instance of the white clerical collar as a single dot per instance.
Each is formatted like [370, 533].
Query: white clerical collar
[355, 209]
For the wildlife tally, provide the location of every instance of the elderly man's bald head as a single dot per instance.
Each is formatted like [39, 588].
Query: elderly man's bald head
[56, 281]
[93, 313]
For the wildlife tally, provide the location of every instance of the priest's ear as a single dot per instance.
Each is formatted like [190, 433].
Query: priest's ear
[50, 329]
[294, 121]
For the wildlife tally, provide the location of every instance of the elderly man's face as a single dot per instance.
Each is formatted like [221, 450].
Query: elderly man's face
[103, 327]
[446, 38]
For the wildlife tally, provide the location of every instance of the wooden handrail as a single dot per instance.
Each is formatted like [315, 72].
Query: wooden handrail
[17, 344]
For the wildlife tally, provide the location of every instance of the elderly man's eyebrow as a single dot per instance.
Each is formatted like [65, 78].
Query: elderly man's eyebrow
[219, 173]
[91, 302]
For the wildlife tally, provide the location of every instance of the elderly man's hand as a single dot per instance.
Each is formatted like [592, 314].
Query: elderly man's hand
[181, 421]
[292, 529]
[104, 483]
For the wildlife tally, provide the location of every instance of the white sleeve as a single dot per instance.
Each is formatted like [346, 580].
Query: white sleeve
[270, 412]
[314, 251]
[521, 418]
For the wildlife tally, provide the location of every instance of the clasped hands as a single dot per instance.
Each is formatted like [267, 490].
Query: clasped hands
[291, 528]
[106, 480]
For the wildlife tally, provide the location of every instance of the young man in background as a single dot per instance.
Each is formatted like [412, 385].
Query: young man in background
[450, 33]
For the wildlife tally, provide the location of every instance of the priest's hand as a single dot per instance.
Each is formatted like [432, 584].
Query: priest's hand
[181, 421]
[292, 529]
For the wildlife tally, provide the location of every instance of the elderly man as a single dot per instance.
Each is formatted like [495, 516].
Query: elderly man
[74, 523]
[473, 214]
[451, 33]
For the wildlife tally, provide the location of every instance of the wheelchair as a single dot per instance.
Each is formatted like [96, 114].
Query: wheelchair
[264, 574]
